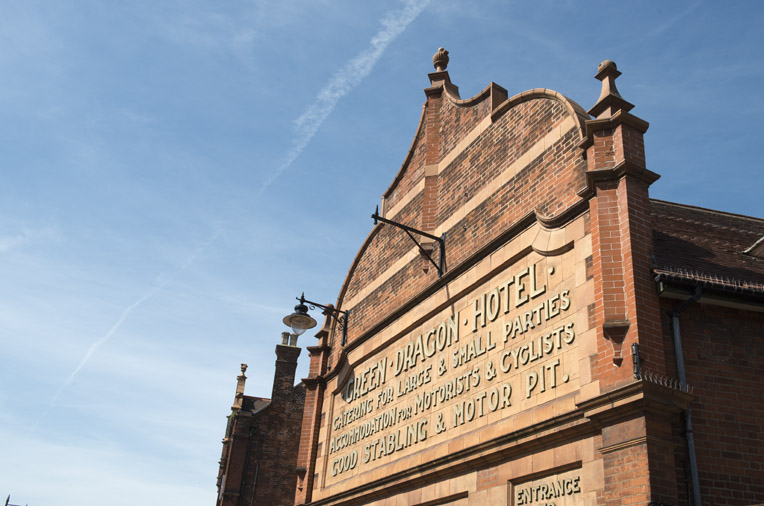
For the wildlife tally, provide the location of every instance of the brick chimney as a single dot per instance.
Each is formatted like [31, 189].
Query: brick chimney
[286, 364]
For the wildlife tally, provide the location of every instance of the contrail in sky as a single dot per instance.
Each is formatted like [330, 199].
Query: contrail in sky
[122, 317]
[345, 79]
[672, 21]
[340, 84]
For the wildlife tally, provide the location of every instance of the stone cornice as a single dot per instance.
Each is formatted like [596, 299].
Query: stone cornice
[634, 397]
[637, 442]
[619, 118]
[314, 381]
[625, 168]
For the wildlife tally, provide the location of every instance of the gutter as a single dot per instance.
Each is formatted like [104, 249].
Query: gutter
[674, 314]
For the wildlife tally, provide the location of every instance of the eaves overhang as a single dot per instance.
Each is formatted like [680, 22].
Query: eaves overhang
[731, 293]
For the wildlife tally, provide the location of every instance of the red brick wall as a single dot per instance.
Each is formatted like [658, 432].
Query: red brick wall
[549, 183]
[627, 479]
[724, 353]
[458, 121]
[279, 429]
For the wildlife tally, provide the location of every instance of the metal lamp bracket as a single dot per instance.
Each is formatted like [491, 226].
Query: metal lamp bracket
[440, 266]
[340, 316]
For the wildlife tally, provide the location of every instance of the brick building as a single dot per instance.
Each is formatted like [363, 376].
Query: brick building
[541, 367]
[260, 443]
[555, 338]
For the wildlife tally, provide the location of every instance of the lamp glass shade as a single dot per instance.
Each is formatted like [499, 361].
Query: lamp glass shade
[299, 322]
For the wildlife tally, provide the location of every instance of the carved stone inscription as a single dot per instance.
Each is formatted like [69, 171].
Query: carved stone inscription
[557, 490]
[503, 351]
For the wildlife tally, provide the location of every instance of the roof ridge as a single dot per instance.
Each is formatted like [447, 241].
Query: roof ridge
[707, 210]
[712, 225]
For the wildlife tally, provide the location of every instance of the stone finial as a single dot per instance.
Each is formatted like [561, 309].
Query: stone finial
[440, 60]
[240, 381]
[610, 100]
[607, 72]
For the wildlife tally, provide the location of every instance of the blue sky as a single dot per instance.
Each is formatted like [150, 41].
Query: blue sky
[175, 173]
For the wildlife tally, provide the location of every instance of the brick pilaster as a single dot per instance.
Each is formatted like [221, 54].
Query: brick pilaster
[311, 417]
[625, 309]
[637, 457]
[438, 80]
[432, 140]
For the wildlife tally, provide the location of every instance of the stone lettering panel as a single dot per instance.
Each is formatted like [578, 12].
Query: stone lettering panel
[508, 346]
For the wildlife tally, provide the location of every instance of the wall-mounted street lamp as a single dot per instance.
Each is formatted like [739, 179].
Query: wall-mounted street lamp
[300, 320]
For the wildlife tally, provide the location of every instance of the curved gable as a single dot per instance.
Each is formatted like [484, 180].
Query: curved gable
[456, 383]
[476, 165]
